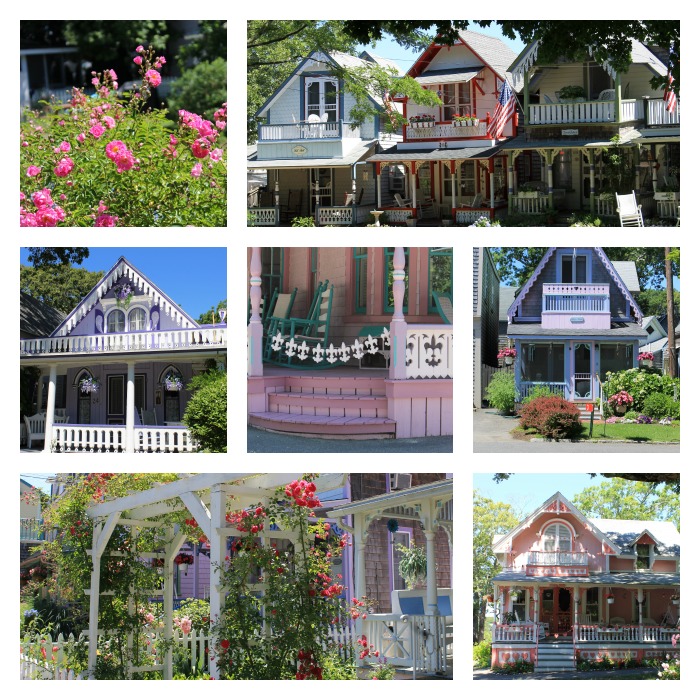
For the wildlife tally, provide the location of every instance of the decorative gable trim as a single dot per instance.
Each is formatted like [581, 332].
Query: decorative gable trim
[153, 297]
[645, 537]
[621, 285]
[528, 285]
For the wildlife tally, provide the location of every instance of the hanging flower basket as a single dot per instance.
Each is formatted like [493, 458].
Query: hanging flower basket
[89, 385]
[173, 382]
[611, 599]
[514, 594]
[392, 525]
[508, 355]
[183, 561]
[123, 293]
[676, 599]
[646, 359]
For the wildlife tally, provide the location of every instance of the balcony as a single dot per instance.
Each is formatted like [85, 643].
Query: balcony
[135, 341]
[576, 306]
[557, 564]
[304, 131]
[657, 115]
[443, 131]
[594, 112]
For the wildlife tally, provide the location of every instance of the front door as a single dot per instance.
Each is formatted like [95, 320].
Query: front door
[582, 384]
[324, 193]
[116, 397]
[556, 610]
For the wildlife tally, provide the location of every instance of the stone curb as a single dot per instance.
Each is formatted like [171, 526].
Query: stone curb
[618, 442]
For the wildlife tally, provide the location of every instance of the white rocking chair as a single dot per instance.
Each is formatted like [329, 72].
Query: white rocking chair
[629, 211]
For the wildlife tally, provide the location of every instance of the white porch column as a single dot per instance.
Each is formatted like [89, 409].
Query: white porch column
[576, 603]
[491, 184]
[359, 540]
[217, 541]
[536, 606]
[379, 185]
[130, 405]
[414, 179]
[640, 612]
[454, 186]
[398, 326]
[50, 409]
[255, 328]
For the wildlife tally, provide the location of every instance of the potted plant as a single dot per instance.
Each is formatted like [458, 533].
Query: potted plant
[508, 355]
[514, 593]
[183, 561]
[646, 359]
[172, 382]
[571, 93]
[620, 402]
[666, 193]
[610, 598]
[528, 191]
[676, 599]
[89, 385]
[413, 566]
[460, 121]
[475, 120]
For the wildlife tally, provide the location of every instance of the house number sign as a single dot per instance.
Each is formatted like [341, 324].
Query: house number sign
[299, 150]
[569, 132]
[577, 319]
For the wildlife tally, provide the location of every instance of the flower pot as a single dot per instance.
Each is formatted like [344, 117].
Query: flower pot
[183, 568]
[620, 409]
[475, 122]
[410, 222]
[508, 360]
[646, 363]
[611, 599]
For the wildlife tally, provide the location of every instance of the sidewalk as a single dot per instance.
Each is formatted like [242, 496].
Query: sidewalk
[622, 674]
[490, 426]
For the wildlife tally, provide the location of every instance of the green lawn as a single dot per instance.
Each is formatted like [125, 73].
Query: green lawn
[636, 432]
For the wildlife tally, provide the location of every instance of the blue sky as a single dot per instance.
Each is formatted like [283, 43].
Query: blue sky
[37, 479]
[194, 278]
[404, 58]
[526, 492]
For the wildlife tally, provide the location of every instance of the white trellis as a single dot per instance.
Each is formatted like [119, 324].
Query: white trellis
[206, 497]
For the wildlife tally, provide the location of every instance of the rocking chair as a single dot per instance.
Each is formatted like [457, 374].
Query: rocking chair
[629, 211]
[443, 303]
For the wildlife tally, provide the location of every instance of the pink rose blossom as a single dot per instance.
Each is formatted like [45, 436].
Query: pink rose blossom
[25, 144]
[62, 197]
[139, 49]
[186, 625]
[216, 154]
[220, 125]
[22, 196]
[110, 122]
[200, 149]
[112, 74]
[81, 138]
[63, 167]
[197, 170]
[97, 130]
[42, 198]
[153, 77]
[138, 60]
[104, 221]
[33, 170]
[173, 139]
[125, 161]
[61, 122]
[65, 146]
[95, 81]
[114, 148]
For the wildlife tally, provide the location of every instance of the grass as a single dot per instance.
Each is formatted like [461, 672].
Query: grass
[632, 432]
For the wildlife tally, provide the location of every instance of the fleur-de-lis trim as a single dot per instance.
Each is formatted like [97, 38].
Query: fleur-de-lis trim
[434, 351]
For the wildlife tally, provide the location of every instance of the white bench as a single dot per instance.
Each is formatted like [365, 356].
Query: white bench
[35, 427]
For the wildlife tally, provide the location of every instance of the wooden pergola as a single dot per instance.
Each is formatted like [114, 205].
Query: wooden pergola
[207, 497]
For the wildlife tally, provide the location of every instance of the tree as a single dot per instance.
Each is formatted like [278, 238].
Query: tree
[207, 316]
[571, 39]
[654, 302]
[621, 499]
[59, 286]
[201, 89]
[672, 479]
[276, 47]
[206, 415]
[40, 257]
[208, 45]
[490, 518]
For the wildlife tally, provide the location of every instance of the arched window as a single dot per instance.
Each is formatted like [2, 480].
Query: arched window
[116, 321]
[137, 320]
[557, 538]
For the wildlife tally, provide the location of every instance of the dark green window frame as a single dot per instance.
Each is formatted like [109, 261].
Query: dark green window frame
[272, 271]
[360, 259]
[435, 255]
[389, 280]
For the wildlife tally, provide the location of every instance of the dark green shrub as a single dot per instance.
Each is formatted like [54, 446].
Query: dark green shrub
[206, 414]
[640, 383]
[482, 654]
[552, 417]
[201, 89]
[658, 405]
[500, 393]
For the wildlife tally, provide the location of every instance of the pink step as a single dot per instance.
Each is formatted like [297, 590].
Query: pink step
[341, 405]
[360, 386]
[324, 426]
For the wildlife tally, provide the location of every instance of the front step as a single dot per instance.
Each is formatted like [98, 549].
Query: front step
[555, 657]
[586, 415]
[341, 407]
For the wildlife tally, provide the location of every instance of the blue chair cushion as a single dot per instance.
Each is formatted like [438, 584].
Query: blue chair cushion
[411, 606]
[444, 605]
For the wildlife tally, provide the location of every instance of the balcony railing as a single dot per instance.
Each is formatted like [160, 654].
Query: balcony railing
[136, 341]
[557, 558]
[524, 632]
[31, 530]
[112, 438]
[446, 130]
[658, 115]
[303, 131]
[585, 112]
[576, 297]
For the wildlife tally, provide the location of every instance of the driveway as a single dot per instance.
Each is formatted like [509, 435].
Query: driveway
[490, 426]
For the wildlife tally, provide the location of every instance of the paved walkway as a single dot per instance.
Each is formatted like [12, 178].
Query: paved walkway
[616, 675]
[264, 441]
[490, 426]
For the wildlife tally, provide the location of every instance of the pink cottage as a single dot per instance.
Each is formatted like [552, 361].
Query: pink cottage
[577, 588]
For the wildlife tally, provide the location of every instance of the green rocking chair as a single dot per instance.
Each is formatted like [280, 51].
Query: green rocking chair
[443, 303]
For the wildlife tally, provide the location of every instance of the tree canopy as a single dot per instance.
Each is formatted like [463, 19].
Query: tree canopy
[42, 257]
[206, 317]
[59, 286]
[622, 499]
[672, 479]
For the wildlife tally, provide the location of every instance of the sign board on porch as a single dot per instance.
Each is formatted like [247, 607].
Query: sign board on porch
[299, 150]
[569, 132]
[577, 319]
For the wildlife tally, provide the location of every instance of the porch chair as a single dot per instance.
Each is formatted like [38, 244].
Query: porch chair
[629, 211]
[314, 329]
[426, 203]
[280, 307]
[148, 417]
[35, 427]
[443, 303]
[475, 203]
[293, 208]
[606, 95]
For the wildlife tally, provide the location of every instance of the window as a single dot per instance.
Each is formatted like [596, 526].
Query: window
[401, 537]
[360, 259]
[519, 606]
[456, 99]
[592, 604]
[439, 273]
[137, 320]
[562, 170]
[465, 180]
[643, 556]
[389, 283]
[272, 271]
[615, 357]
[573, 269]
[542, 362]
[322, 98]
[557, 538]
[116, 321]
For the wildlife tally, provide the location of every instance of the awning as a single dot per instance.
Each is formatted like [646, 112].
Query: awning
[448, 75]
[612, 578]
[523, 143]
[617, 332]
[357, 154]
[394, 155]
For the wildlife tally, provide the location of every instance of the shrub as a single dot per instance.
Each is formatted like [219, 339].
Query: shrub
[539, 392]
[206, 414]
[518, 666]
[108, 160]
[197, 610]
[552, 417]
[201, 89]
[658, 405]
[500, 393]
[577, 219]
[640, 383]
[482, 654]
[303, 221]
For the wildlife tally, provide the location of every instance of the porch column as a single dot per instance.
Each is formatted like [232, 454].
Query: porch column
[591, 178]
[536, 605]
[359, 540]
[414, 178]
[378, 172]
[431, 592]
[517, 369]
[277, 197]
[491, 183]
[255, 328]
[576, 603]
[640, 613]
[618, 98]
[654, 170]
[550, 178]
[398, 324]
[453, 175]
[130, 407]
[511, 190]
[217, 542]
[50, 408]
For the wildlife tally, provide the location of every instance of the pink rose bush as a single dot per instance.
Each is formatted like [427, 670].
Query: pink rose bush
[112, 160]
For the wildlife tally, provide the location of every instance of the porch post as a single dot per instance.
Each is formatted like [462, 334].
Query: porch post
[398, 325]
[550, 178]
[94, 602]
[378, 180]
[591, 176]
[640, 612]
[255, 328]
[50, 409]
[414, 178]
[618, 98]
[431, 593]
[536, 606]
[217, 542]
[453, 175]
[516, 369]
[359, 539]
[510, 181]
[491, 183]
[576, 603]
[130, 407]
[277, 197]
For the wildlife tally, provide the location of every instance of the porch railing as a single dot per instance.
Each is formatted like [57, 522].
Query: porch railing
[446, 130]
[526, 388]
[112, 438]
[135, 341]
[263, 216]
[397, 215]
[429, 352]
[623, 633]
[576, 297]
[335, 216]
[668, 208]
[525, 632]
[657, 115]
[585, 112]
[530, 205]
[469, 216]
[31, 530]
[557, 558]
[307, 131]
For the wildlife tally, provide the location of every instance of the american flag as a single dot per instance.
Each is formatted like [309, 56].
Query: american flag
[503, 112]
[670, 95]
